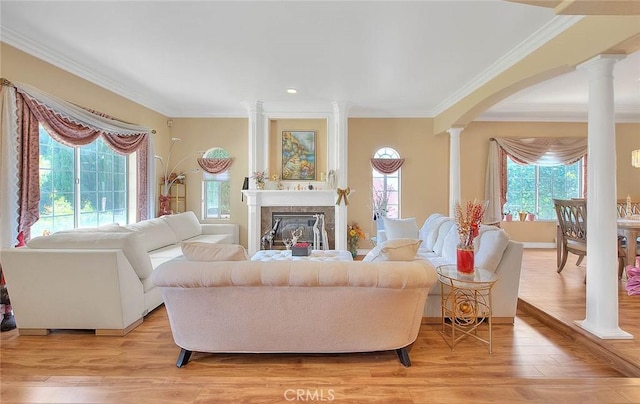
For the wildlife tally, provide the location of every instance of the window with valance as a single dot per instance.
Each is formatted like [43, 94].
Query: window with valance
[24, 109]
[215, 164]
[386, 164]
[546, 160]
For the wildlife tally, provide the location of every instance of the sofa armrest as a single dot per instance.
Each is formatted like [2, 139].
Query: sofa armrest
[222, 228]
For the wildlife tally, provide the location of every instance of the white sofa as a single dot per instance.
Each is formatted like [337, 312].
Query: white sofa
[294, 306]
[494, 251]
[98, 278]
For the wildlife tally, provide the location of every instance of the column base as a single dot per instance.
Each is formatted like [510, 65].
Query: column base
[615, 333]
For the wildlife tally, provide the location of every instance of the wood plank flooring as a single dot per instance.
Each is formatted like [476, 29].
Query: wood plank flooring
[531, 362]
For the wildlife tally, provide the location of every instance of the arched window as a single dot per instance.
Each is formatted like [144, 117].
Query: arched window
[216, 188]
[386, 183]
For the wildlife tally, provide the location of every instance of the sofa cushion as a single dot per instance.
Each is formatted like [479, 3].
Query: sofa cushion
[429, 231]
[130, 243]
[213, 238]
[400, 228]
[489, 247]
[155, 233]
[402, 249]
[442, 234]
[184, 225]
[196, 251]
[110, 227]
[450, 245]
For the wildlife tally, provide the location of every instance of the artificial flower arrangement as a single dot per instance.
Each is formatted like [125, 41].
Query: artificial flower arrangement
[260, 177]
[354, 234]
[469, 222]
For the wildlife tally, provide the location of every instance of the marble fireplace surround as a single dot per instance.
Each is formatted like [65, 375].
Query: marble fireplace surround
[262, 202]
[267, 213]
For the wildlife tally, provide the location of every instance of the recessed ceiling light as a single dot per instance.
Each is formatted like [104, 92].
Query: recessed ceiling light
[292, 90]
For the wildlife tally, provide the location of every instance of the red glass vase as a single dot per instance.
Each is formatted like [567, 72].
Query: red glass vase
[465, 260]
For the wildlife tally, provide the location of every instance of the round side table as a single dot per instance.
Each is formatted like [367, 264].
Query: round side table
[465, 302]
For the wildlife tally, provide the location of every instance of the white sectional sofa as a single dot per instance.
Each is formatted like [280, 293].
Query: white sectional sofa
[494, 251]
[99, 278]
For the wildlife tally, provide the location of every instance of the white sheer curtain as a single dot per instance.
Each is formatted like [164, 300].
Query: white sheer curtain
[80, 115]
[8, 167]
[544, 151]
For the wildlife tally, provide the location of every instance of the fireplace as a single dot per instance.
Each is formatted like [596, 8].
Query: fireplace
[294, 218]
[263, 203]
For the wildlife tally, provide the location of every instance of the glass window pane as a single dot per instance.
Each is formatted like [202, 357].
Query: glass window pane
[102, 186]
[532, 188]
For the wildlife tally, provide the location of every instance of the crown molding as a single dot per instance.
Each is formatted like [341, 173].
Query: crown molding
[549, 31]
[49, 55]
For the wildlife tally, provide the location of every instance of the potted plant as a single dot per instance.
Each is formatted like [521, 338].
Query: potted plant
[507, 216]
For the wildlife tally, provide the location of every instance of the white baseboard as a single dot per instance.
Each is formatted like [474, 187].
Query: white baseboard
[529, 244]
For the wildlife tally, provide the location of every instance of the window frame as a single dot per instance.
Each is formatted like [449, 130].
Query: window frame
[77, 186]
[390, 153]
[579, 193]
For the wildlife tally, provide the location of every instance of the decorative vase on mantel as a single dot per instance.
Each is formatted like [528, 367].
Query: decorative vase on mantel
[259, 184]
[465, 259]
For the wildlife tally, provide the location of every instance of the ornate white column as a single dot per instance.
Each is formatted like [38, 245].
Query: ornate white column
[454, 169]
[338, 143]
[258, 149]
[602, 274]
[258, 142]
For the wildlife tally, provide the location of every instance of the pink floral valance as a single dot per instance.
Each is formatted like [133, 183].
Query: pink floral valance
[386, 166]
[215, 165]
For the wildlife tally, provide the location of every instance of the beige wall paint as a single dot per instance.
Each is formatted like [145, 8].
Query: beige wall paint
[277, 126]
[202, 134]
[424, 176]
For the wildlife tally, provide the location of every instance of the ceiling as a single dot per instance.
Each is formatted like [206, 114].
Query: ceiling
[383, 58]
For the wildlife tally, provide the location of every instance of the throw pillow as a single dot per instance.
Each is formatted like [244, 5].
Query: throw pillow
[489, 247]
[401, 228]
[429, 231]
[403, 249]
[196, 251]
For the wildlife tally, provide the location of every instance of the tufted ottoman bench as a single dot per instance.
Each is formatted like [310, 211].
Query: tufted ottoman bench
[316, 255]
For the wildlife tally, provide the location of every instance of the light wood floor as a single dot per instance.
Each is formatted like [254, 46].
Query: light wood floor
[531, 362]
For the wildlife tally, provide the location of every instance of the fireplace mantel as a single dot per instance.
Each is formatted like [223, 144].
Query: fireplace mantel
[257, 198]
[291, 197]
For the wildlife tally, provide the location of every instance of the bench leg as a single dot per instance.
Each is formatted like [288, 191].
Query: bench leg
[183, 357]
[403, 355]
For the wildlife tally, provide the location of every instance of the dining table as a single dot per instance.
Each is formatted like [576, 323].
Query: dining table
[630, 229]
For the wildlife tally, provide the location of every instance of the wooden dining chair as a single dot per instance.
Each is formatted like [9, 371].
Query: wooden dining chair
[572, 233]
[572, 229]
[621, 207]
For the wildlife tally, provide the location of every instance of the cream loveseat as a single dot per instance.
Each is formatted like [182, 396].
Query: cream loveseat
[98, 278]
[494, 251]
[294, 306]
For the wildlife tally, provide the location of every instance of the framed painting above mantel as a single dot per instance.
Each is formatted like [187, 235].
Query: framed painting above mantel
[299, 155]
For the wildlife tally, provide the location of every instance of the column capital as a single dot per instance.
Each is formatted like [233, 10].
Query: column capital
[254, 107]
[600, 60]
[455, 131]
